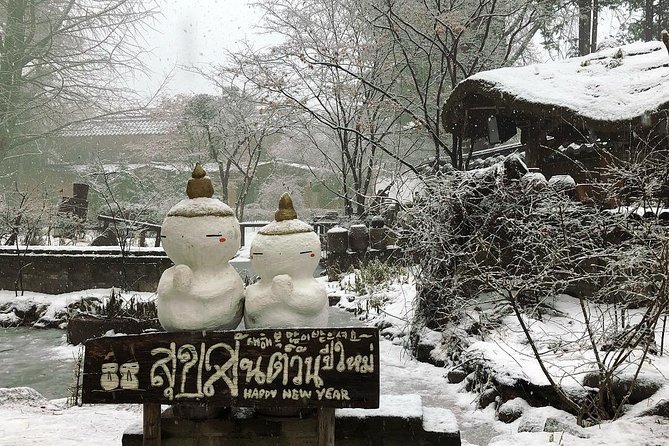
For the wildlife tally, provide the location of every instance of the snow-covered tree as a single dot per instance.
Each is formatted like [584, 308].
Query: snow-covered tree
[233, 129]
[65, 60]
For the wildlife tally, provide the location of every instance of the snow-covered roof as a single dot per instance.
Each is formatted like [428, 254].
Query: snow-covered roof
[605, 89]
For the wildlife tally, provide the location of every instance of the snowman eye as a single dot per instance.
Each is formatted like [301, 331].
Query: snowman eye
[213, 235]
[306, 252]
[257, 253]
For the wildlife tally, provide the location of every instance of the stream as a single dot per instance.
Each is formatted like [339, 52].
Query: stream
[41, 359]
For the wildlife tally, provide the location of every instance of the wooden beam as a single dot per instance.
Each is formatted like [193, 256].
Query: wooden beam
[326, 426]
[151, 415]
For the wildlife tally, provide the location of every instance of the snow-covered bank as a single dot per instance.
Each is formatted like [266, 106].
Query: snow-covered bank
[42, 310]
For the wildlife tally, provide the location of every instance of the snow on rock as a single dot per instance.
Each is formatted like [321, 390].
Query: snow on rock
[562, 182]
[511, 410]
[533, 181]
[53, 311]
[9, 319]
[22, 396]
[504, 361]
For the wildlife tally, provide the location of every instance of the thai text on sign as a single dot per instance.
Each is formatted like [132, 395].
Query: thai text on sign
[315, 367]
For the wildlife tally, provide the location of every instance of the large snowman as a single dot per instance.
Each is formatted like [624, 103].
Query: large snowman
[285, 254]
[200, 234]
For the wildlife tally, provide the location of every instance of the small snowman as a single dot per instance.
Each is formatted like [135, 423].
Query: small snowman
[200, 235]
[285, 254]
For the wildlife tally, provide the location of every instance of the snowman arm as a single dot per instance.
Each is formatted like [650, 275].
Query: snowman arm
[182, 278]
[282, 286]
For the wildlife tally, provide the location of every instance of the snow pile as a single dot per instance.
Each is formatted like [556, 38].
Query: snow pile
[9, 319]
[563, 342]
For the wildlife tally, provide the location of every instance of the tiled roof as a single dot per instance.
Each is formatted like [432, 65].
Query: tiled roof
[119, 126]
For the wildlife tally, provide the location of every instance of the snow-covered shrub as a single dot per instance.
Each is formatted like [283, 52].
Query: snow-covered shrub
[376, 274]
[486, 245]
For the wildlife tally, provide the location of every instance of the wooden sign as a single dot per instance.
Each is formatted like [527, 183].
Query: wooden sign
[315, 367]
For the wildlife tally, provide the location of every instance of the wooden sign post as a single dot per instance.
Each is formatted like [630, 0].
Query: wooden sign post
[325, 368]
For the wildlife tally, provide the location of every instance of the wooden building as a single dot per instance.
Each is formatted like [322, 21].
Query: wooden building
[569, 117]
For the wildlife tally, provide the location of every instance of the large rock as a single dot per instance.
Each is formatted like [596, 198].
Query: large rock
[660, 409]
[456, 375]
[555, 425]
[511, 410]
[487, 397]
[642, 389]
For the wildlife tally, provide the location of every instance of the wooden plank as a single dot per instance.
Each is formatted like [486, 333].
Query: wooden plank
[326, 426]
[313, 367]
[151, 415]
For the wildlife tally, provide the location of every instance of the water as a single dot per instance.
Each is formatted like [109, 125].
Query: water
[37, 358]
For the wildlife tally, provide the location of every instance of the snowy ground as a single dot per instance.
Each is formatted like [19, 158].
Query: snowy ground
[28, 419]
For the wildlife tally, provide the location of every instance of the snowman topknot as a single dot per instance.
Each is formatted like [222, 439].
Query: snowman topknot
[199, 202]
[286, 221]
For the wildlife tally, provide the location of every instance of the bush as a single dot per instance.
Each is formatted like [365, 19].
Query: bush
[509, 237]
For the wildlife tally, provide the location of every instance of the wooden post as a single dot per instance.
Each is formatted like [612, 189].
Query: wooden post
[152, 424]
[326, 426]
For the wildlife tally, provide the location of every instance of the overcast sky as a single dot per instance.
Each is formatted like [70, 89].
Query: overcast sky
[195, 32]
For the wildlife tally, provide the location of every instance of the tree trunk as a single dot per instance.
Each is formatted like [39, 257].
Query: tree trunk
[224, 173]
[648, 15]
[595, 20]
[584, 26]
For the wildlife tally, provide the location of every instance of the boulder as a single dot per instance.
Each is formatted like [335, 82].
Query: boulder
[456, 375]
[643, 388]
[555, 425]
[511, 410]
[488, 397]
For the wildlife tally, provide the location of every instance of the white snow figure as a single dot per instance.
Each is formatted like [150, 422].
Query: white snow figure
[200, 234]
[285, 254]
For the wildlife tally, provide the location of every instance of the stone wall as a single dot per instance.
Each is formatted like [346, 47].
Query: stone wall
[57, 270]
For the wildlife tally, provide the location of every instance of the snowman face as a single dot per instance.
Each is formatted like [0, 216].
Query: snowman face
[200, 242]
[294, 254]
